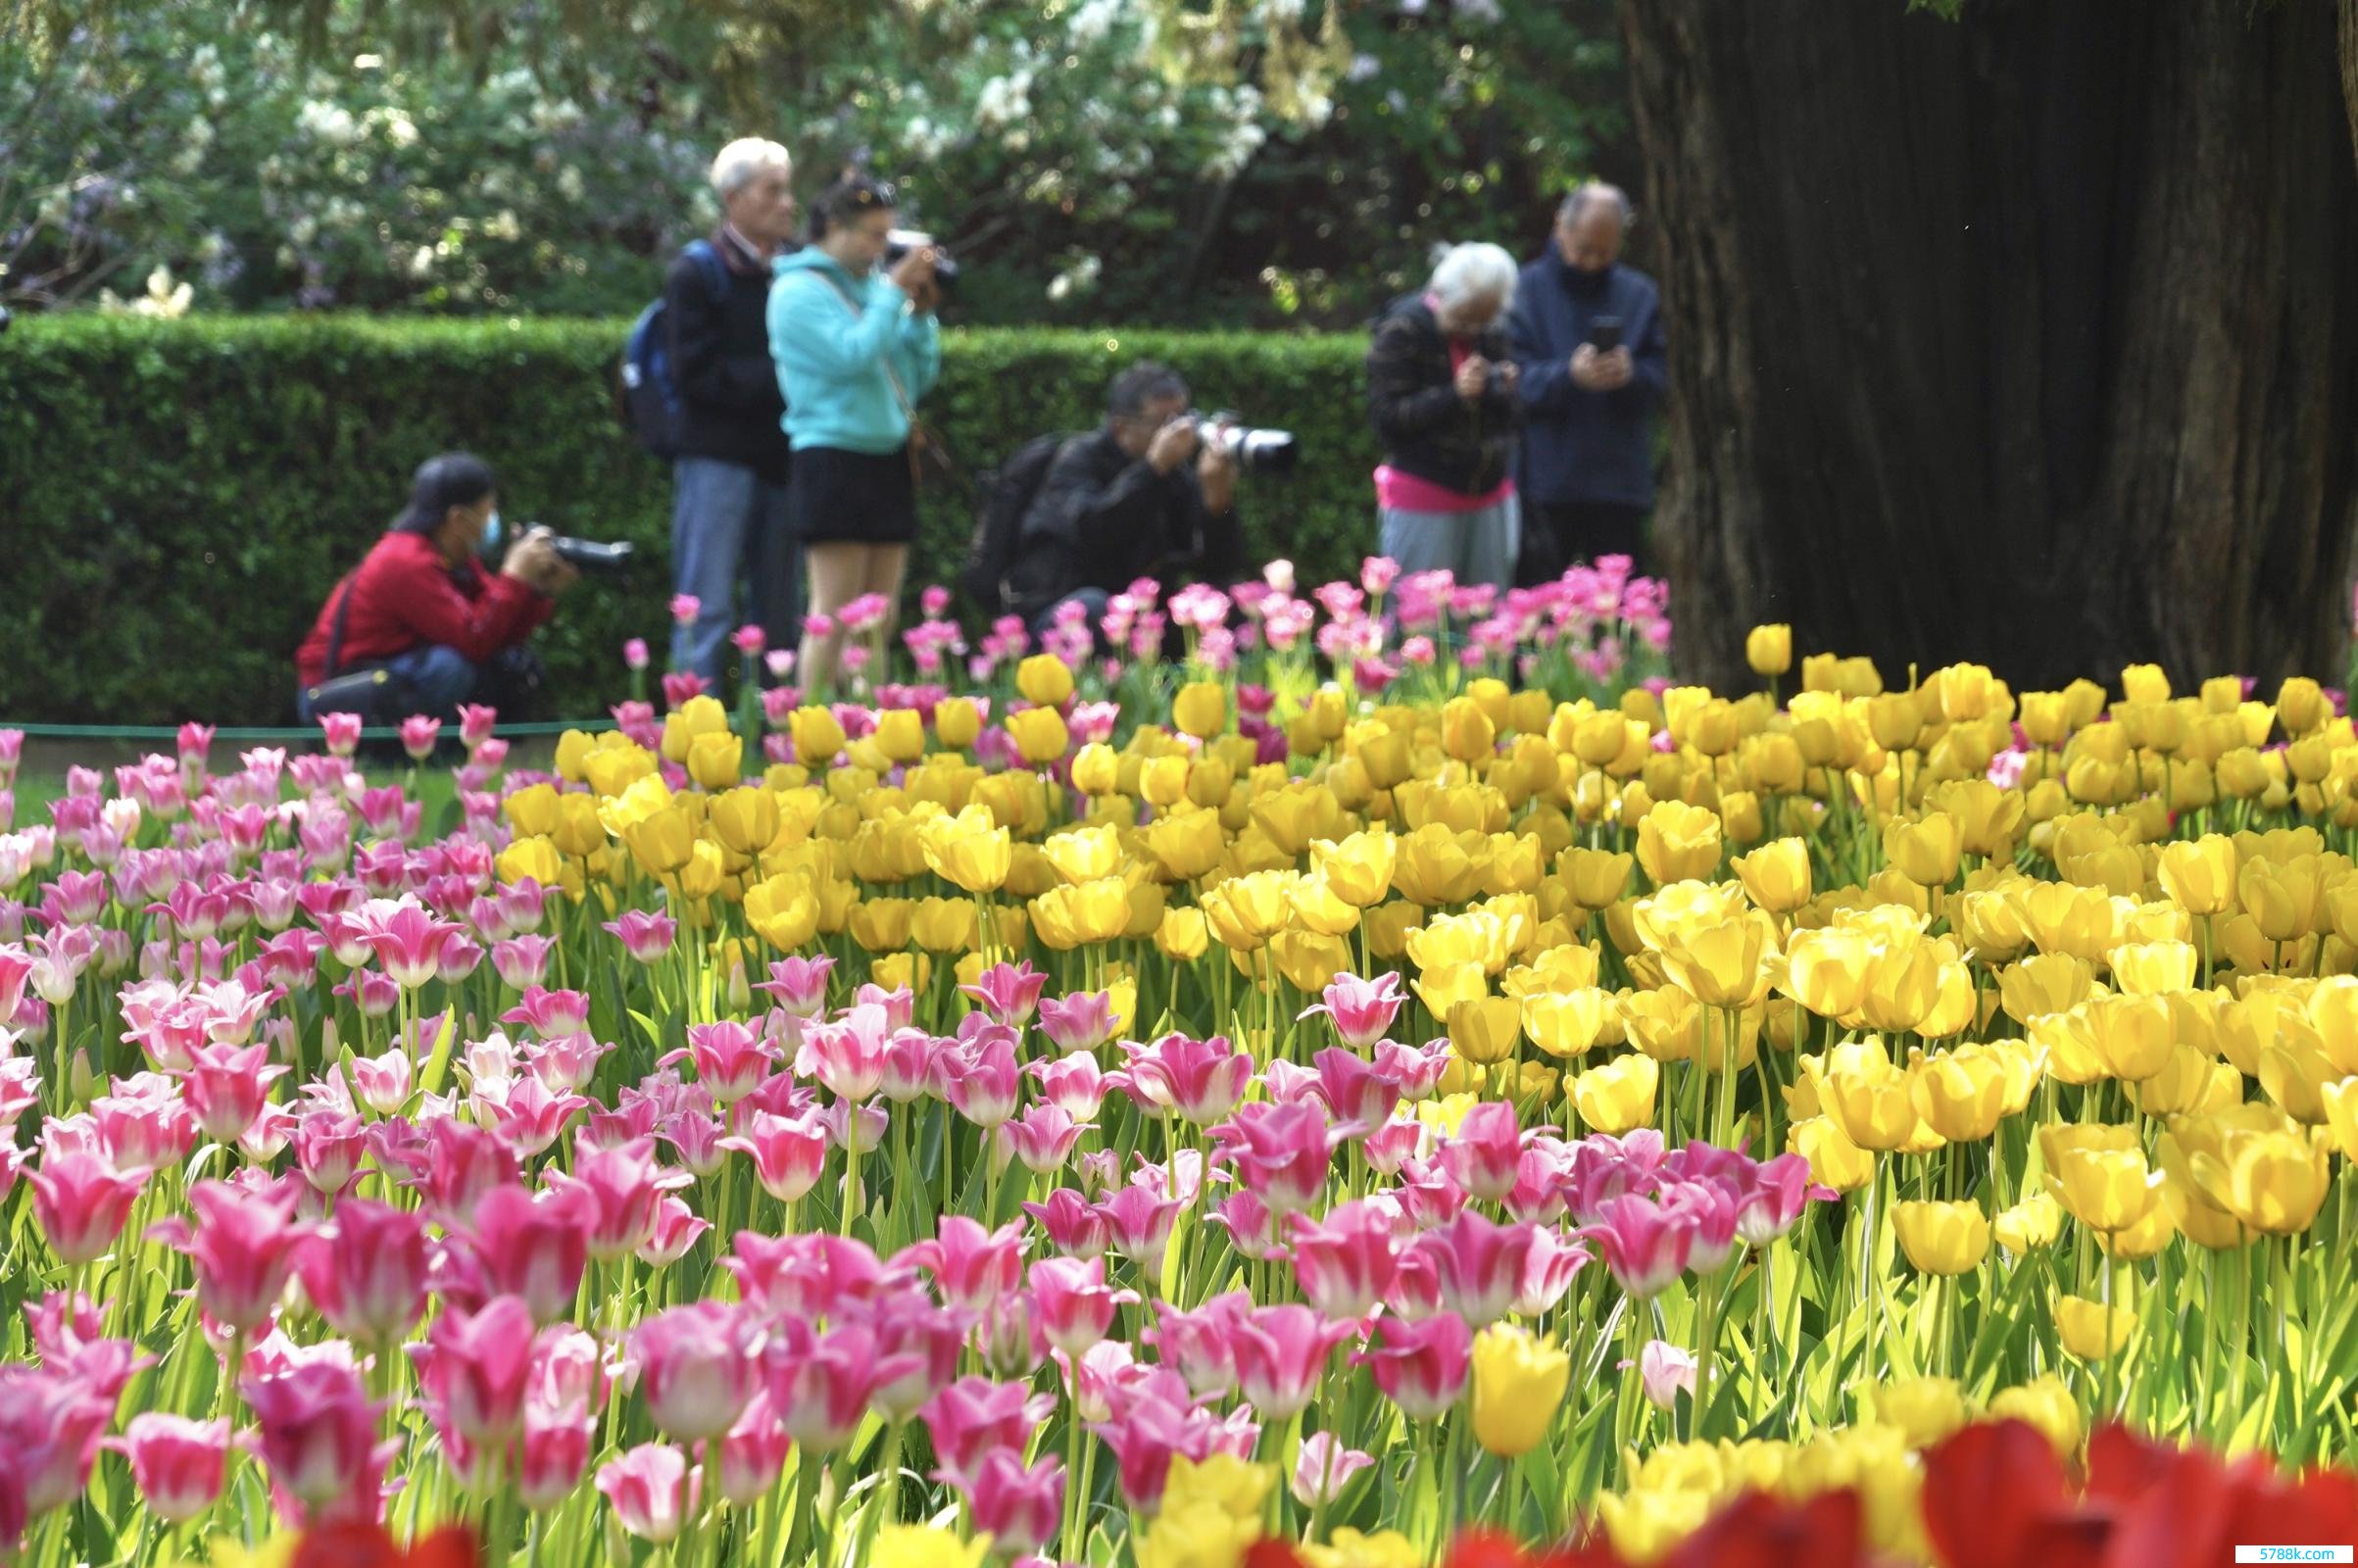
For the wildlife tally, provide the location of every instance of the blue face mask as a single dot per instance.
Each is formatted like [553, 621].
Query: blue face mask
[492, 535]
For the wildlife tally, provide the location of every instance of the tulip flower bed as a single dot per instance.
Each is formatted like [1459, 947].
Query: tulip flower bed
[1189, 1116]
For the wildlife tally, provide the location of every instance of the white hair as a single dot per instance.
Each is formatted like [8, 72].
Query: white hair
[742, 159]
[1475, 272]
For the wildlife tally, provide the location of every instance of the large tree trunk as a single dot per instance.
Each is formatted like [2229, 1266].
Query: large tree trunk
[2030, 338]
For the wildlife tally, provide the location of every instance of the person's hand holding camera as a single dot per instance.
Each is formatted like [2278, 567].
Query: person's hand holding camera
[913, 275]
[534, 561]
[1472, 377]
[1216, 474]
[1173, 445]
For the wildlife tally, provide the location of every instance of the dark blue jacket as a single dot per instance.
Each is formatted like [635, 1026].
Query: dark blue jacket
[1579, 445]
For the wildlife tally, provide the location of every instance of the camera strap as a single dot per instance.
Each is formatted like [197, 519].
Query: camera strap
[335, 627]
[921, 441]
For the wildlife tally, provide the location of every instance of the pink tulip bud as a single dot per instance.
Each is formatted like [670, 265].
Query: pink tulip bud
[1323, 1468]
[1663, 1371]
[1076, 1310]
[366, 1271]
[178, 1464]
[1345, 1263]
[1199, 1080]
[634, 653]
[1008, 993]
[1422, 1366]
[419, 735]
[753, 1453]
[971, 1267]
[474, 1368]
[1018, 1507]
[342, 732]
[696, 1368]
[535, 1247]
[652, 1488]
[81, 1202]
[1481, 1156]
[1281, 1352]
[1361, 1010]
[788, 1152]
[676, 1229]
[318, 1436]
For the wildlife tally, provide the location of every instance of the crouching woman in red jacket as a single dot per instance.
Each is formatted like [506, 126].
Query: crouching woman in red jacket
[421, 608]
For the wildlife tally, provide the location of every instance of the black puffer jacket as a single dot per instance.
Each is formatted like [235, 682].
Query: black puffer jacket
[1427, 429]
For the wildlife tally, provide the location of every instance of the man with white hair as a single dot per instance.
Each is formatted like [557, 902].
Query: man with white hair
[728, 511]
[1441, 389]
[1588, 332]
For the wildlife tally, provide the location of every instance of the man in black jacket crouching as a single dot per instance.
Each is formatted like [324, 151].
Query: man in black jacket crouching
[1125, 502]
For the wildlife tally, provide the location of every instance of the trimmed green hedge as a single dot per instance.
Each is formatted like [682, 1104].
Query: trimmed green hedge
[177, 496]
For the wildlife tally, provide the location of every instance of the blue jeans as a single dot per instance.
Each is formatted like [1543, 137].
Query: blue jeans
[429, 679]
[725, 520]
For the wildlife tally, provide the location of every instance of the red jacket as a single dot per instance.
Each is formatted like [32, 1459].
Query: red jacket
[405, 595]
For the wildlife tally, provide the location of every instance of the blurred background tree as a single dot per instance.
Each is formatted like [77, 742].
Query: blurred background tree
[1138, 161]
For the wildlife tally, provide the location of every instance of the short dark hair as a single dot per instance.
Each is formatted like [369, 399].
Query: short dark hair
[450, 479]
[1140, 384]
[850, 196]
[1577, 199]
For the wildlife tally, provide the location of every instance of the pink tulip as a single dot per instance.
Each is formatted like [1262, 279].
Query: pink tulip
[1145, 1438]
[329, 1148]
[1774, 1196]
[1008, 993]
[1547, 1272]
[527, 1117]
[802, 1275]
[474, 1368]
[981, 1084]
[1604, 1169]
[177, 1464]
[1422, 1366]
[1019, 1508]
[143, 1125]
[522, 961]
[316, 1433]
[1709, 1208]
[1663, 1372]
[464, 1163]
[730, 1059]
[81, 1202]
[788, 1152]
[1280, 1152]
[1281, 1351]
[1359, 1094]
[1477, 1265]
[50, 1429]
[1250, 1226]
[1074, 1226]
[800, 985]
[383, 1083]
[1361, 1010]
[848, 1054]
[548, 1014]
[924, 1341]
[536, 1245]
[1042, 1138]
[1076, 1085]
[696, 1368]
[753, 1455]
[676, 1230]
[1075, 1306]
[342, 732]
[225, 1087]
[695, 1139]
[241, 1251]
[912, 1066]
[1481, 1156]
[1079, 1022]
[1323, 1468]
[646, 937]
[1137, 1224]
[366, 1271]
[634, 652]
[1201, 1344]
[974, 1416]
[549, 1462]
[1646, 1245]
[820, 1383]
[1198, 1080]
[624, 1185]
[651, 1489]
[476, 722]
[1345, 1263]
[406, 941]
[971, 1267]
[418, 734]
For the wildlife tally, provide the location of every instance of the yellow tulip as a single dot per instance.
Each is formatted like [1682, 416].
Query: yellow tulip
[1484, 1029]
[957, 721]
[2030, 1225]
[817, 736]
[968, 849]
[1039, 733]
[1619, 1095]
[2047, 1403]
[1043, 680]
[2098, 1173]
[1201, 708]
[1182, 935]
[1833, 1160]
[1769, 650]
[1923, 1410]
[533, 860]
[1518, 1381]
[1775, 875]
[1677, 842]
[1565, 1023]
[2090, 1330]
[1942, 1238]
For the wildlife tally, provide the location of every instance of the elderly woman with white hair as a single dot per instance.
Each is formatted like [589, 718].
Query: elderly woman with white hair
[1441, 389]
[728, 443]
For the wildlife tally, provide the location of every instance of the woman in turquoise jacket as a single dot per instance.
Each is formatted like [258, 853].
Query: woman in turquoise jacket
[855, 349]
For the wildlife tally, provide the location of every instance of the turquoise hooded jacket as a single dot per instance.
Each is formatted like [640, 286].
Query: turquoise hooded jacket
[833, 336]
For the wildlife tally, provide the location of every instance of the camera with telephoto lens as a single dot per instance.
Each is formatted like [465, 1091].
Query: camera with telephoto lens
[1250, 448]
[901, 241]
[590, 555]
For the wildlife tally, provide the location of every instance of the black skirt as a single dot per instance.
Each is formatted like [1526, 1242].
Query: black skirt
[839, 497]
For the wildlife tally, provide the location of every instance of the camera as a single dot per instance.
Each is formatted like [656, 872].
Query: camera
[589, 555]
[1605, 334]
[901, 241]
[1250, 448]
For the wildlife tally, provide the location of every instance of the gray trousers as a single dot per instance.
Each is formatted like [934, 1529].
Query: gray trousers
[1478, 547]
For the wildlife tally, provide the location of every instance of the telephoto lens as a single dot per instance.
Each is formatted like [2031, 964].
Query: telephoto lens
[589, 555]
[1250, 448]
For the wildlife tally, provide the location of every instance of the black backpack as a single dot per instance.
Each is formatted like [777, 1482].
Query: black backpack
[647, 397]
[1007, 493]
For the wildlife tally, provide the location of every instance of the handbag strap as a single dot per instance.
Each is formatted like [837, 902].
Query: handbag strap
[335, 628]
[909, 410]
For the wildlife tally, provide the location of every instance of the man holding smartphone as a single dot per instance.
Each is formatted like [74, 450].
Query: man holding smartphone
[1588, 334]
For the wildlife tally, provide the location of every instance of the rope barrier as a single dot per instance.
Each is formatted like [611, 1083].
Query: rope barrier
[172, 732]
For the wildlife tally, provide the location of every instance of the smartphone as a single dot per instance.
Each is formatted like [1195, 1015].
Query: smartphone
[1605, 334]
